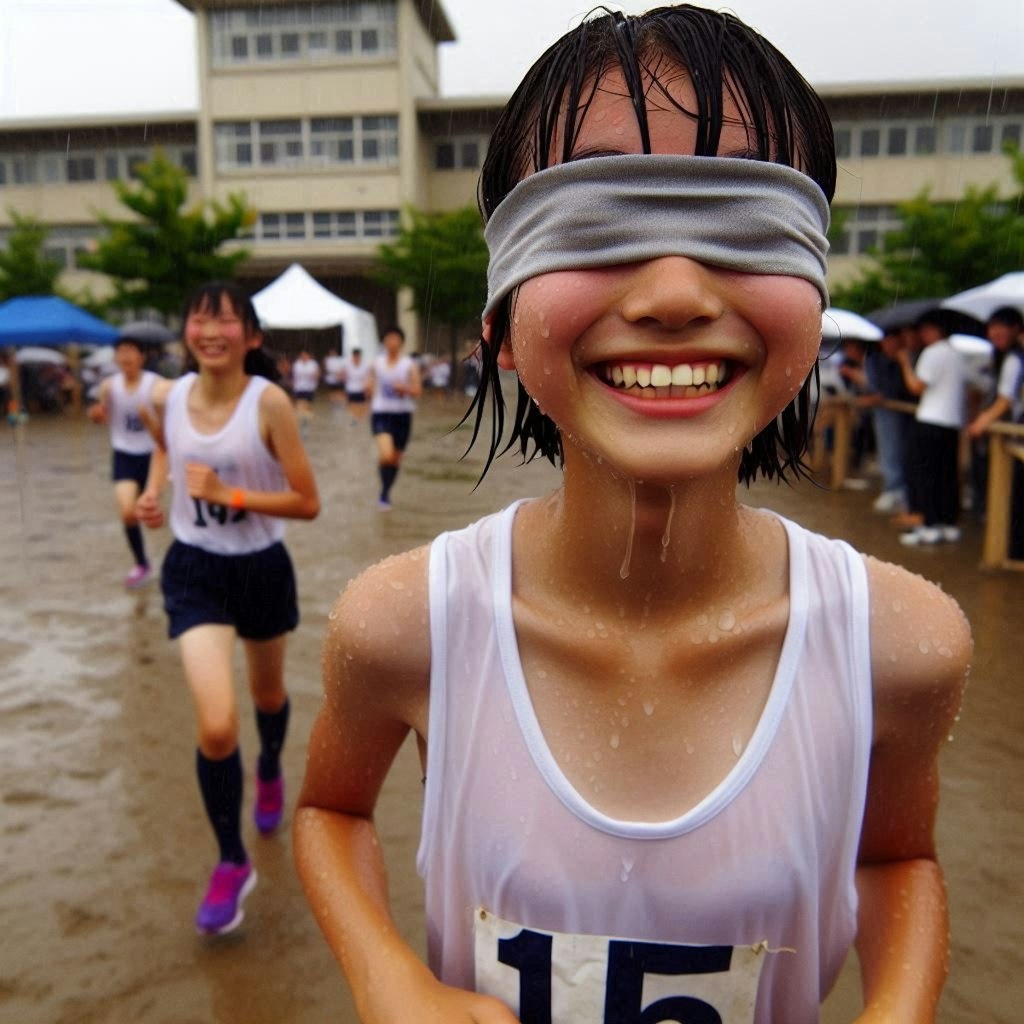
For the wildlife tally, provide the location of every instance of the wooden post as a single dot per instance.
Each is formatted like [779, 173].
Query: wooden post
[1004, 445]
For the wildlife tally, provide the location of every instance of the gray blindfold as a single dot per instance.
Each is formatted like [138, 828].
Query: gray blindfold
[746, 215]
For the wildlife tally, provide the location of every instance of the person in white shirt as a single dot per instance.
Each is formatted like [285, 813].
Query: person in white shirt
[394, 384]
[120, 403]
[305, 378]
[334, 378]
[939, 382]
[356, 374]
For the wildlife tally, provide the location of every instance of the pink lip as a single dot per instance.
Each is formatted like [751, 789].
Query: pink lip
[673, 408]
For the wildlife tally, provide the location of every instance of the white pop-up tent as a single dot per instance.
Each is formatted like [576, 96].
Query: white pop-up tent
[295, 301]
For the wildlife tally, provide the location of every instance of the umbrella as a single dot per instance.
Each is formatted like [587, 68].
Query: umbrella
[983, 301]
[146, 332]
[845, 325]
[34, 354]
[49, 320]
[906, 314]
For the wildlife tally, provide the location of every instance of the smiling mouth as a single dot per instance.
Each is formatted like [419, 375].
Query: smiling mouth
[660, 380]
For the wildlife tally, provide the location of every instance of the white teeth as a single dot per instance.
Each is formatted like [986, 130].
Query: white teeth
[698, 376]
[661, 376]
[643, 376]
[616, 374]
[628, 376]
[682, 374]
[711, 373]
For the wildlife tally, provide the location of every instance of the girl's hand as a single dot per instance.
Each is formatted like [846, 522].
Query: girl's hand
[435, 1003]
[148, 510]
[202, 482]
[97, 412]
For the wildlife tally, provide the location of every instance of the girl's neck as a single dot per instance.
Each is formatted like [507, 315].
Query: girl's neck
[221, 387]
[638, 536]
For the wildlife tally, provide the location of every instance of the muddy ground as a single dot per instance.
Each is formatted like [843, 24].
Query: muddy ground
[105, 849]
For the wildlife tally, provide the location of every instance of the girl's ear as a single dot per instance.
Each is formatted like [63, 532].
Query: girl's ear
[255, 340]
[506, 361]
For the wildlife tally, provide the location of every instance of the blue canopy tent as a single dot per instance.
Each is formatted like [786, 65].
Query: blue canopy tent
[50, 320]
[45, 320]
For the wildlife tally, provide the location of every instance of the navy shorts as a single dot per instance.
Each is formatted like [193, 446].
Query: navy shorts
[305, 396]
[397, 424]
[356, 397]
[126, 466]
[255, 592]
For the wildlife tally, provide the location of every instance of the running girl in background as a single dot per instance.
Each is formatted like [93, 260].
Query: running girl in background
[120, 403]
[678, 752]
[356, 374]
[305, 377]
[334, 378]
[394, 384]
[231, 444]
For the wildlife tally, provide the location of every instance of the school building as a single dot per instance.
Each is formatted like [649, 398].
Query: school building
[329, 117]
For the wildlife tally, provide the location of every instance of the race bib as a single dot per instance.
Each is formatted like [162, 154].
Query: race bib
[555, 978]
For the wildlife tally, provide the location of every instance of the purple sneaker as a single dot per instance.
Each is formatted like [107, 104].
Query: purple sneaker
[269, 804]
[138, 577]
[221, 909]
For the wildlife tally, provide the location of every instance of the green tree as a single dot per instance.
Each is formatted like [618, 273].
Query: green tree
[156, 257]
[25, 269]
[442, 259]
[943, 248]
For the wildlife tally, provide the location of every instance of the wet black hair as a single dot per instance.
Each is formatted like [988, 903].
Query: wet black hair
[1008, 316]
[787, 123]
[393, 329]
[258, 361]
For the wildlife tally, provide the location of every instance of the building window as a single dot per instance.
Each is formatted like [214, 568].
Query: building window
[1010, 133]
[318, 142]
[459, 153]
[844, 143]
[326, 225]
[303, 32]
[982, 138]
[866, 228]
[82, 168]
[870, 141]
[924, 140]
[897, 142]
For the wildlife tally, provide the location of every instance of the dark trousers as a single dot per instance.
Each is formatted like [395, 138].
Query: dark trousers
[933, 473]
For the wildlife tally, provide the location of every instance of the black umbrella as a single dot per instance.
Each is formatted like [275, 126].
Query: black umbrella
[146, 332]
[906, 313]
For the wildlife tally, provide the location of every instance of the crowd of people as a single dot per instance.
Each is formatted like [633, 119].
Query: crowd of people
[933, 460]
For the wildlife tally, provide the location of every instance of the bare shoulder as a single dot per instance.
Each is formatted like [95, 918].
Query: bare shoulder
[161, 389]
[274, 398]
[921, 649]
[378, 638]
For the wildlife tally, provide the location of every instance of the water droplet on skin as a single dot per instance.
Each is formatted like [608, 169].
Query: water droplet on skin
[648, 708]
[727, 621]
[624, 568]
[627, 867]
[702, 620]
[924, 646]
[666, 537]
[737, 745]
[688, 747]
[545, 333]
[362, 623]
[613, 741]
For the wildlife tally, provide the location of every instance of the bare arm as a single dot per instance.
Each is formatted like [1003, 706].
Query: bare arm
[375, 691]
[921, 646]
[914, 384]
[280, 428]
[99, 410]
[996, 411]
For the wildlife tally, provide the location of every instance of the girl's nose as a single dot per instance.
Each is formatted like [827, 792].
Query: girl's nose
[671, 291]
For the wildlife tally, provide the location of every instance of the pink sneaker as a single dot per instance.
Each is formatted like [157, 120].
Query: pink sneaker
[269, 804]
[138, 577]
[221, 909]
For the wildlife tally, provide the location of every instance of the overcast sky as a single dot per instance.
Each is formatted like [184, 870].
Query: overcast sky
[123, 56]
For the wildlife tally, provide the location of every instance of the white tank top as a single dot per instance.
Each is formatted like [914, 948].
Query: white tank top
[305, 374]
[127, 431]
[385, 398]
[745, 903]
[355, 377]
[240, 458]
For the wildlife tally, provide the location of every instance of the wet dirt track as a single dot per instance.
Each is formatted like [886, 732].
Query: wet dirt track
[105, 849]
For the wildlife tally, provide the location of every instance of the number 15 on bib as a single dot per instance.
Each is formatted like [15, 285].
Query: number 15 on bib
[556, 978]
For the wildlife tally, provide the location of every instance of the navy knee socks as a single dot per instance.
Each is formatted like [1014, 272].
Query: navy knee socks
[387, 478]
[134, 535]
[272, 726]
[220, 782]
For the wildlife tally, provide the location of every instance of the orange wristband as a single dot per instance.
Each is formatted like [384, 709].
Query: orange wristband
[237, 498]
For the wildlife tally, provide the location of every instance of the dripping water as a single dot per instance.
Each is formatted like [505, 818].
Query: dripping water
[624, 568]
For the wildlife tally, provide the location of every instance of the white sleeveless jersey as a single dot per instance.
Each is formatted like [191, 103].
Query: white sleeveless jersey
[355, 377]
[127, 431]
[334, 369]
[385, 377]
[240, 458]
[305, 374]
[740, 910]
